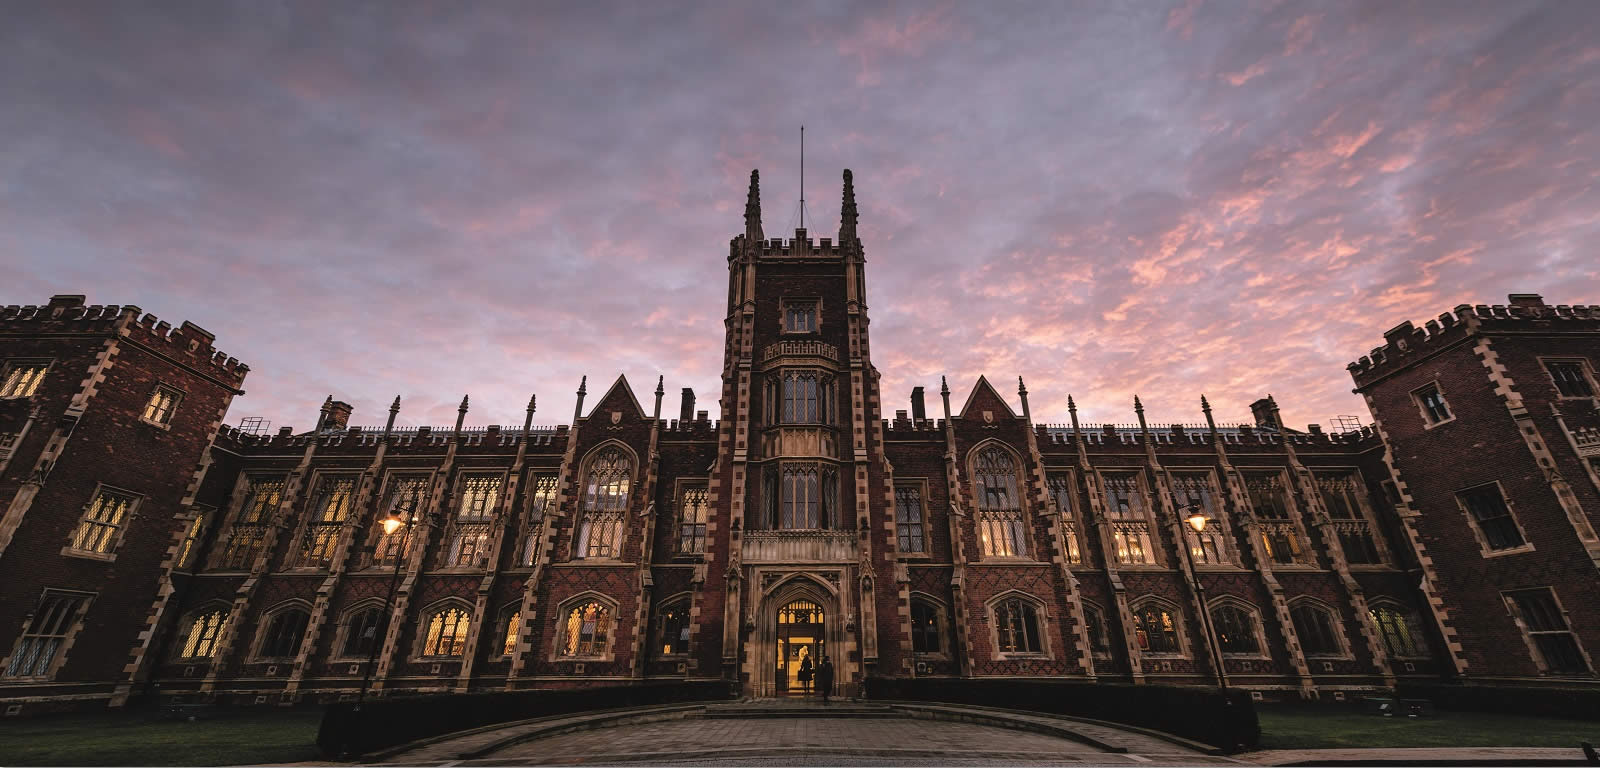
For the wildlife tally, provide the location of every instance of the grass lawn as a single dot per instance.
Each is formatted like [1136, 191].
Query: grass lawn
[1297, 726]
[258, 735]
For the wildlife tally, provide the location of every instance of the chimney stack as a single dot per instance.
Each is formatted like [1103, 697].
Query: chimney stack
[338, 416]
[686, 408]
[919, 410]
[1266, 413]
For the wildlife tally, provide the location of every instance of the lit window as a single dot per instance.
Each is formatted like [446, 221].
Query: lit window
[1431, 400]
[1157, 629]
[1315, 626]
[249, 532]
[1130, 523]
[102, 521]
[800, 316]
[542, 501]
[447, 633]
[285, 629]
[1546, 625]
[672, 628]
[329, 510]
[405, 500]
[191, 537]
[1570, 378]
[45, 633]
[925, 629]
[200, 640]
[605, 505]
[1016, 623]
[693, 510]
[1206, 547]
[21, 378]
[1492, 517]
[1059, 485]
[361, 632]
[588, 626]
[908, 519]
[468, 542]
[994, 479]
[1236, 630]
[163, 402]
[510, 622]
[806, 496]
[1401, 631]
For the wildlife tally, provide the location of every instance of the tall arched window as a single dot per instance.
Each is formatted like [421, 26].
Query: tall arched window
[200, 637]
[994, 479]
[447, 632]
[1016, 624]
[605, 504]
[1400, 630]
[1317, 629]
[672, 628]
[510, 622]
[1095, 624]
[1157, 628]
[1236, 629]
[926, 632]
[361, 631]
[284, 631]
[587, 630]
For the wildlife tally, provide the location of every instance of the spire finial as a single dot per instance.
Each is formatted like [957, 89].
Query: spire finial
[461, 415]
[577, 410]
[394, 410]
[847, 210]
[1072, 410]
[1138, 408]
[394, 407]
[752, 210]
[527, 421]
[1211, 423]
[660, 380]
[944, 394]
[533, 403]
[1022, 389]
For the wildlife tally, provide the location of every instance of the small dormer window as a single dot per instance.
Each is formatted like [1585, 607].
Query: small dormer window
[800, 317]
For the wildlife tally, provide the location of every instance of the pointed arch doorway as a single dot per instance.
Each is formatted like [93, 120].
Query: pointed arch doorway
[801, 637]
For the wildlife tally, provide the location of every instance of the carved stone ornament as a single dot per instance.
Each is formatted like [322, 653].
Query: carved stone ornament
[988, 417]
[616, 417]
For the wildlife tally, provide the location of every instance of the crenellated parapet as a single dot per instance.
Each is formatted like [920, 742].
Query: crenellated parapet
[67, 314]
[1407, 343]
[189, 343]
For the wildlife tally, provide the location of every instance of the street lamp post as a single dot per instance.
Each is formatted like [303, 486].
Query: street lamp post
[1197, 520]
[391, 523]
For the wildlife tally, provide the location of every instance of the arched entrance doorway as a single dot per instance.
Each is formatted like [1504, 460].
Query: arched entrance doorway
[802, 637]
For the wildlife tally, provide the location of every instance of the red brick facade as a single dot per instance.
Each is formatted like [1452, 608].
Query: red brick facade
[625, 546]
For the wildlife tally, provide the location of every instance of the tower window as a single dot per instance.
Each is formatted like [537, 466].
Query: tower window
[800, 317]
[1495, 524]
[1433, 406]
[163, 403]
[20, 378]
[1570, 378]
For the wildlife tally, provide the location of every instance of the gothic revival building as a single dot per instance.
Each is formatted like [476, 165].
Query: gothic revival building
[148, 549]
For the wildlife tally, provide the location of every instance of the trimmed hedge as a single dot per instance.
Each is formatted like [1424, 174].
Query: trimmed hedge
[388, 722]
[1200, 713]
[1571, 703]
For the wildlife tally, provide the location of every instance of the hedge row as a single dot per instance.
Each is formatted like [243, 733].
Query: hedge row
[387, 722]
[1574, 703]
[1200, 713]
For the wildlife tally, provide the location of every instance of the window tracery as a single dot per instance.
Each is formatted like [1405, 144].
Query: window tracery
[999, 513]
[605, 505]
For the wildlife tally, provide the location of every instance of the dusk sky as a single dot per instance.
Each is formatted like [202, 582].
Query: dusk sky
[494, 199]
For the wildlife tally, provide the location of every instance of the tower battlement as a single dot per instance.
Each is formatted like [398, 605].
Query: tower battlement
[67, 314]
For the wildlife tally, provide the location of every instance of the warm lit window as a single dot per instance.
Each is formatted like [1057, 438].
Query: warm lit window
[1546, 626]
[999, 518]
[605, 505]
[1570, 378]
[588, 627]
[800, 316]
[1130, 522]
[909, 533]
[447, 633]
[1016, 624]
[45, 633]
[1401, 631]
[542, 501]
[468, 541]
[249, 532]
[1315, 626]
[191, 537]
[285, 629]
[1059, 485]
[1432, 403]
[361, 632]
[1493, 519]
[925, 629]
[102, 521]
[21, 378]
[1195, 492]
[163, 402]
[693, 510]
[1266, 496]
[1095, 624]
[404, 498]
[330, 507]
[1236, 629]
[510, 622]
[672, 628]
[806, 496]
[202, 633]
[1157, 629]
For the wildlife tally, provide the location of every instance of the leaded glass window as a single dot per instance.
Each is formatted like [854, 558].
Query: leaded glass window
[1016, 624]
[999, 518]
[909, 533]
[102, 521]
[1157, 629]
[1236, 629]
[285, 629]
[45, 633]
[693, 511]
[605, 505]
[926, 632]
[249, 531]
[200, 641]
[447, 632]
[588, 627]
[162, 404]
[1400, 630]
[330, 508]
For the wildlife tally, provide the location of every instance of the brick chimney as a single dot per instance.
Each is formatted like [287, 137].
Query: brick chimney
[1265, 411]
[338, 416]
[686, 408]
[919, 410]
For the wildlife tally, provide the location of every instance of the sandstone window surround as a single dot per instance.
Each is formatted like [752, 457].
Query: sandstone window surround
[162, 406]
[1352, 517]
[1018, 626]
[444, 631]
[1319, 629]
[200, 632]
[801, 315]
[1095, 623]
[47, 633]
[1213, 546]
[190, 548]
[477, 499]
[1276, 519]
[1492, 520]
[20, 377]
[280, 632]
[1239, 629]
[1128, 517]
[103, 523]
[800, 396]
[1544, 625]
[1431, 404]
[1158, 628]
[927, 626]
[1399, 628]
[1002, 526]
[800, 496]
[604, 506]
[1063, 494]
[325, 520]
[510, 625]
[358, 631]
[1572, 377]
[543, 489]
[585, 628]
[910, 517]
[252, 520]
[403, 495]
[671, 629]
[693, 513]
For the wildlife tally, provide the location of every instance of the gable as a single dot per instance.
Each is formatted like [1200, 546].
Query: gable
[985, 398]
[619, 397]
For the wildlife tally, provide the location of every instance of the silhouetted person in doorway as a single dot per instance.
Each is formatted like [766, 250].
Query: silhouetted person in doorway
[805, 674]
[825, 678]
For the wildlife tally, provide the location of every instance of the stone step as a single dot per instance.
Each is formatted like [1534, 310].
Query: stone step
[737, 711]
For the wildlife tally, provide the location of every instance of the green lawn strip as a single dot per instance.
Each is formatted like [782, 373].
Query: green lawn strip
[1301, 727]
[140, 738]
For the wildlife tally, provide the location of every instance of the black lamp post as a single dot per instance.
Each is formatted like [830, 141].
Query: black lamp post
[1197, 520]
[391, 523]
